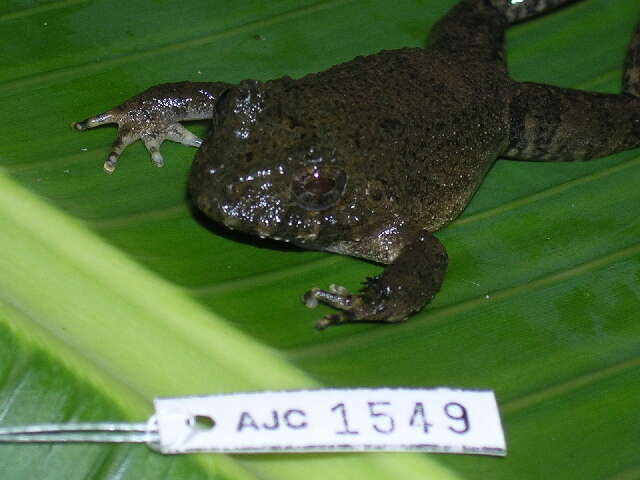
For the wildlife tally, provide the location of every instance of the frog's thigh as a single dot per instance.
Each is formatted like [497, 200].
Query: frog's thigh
[516, 11]
[475, 28]
[412, 279]
[554, 124]
[472, 29]
[631, 81]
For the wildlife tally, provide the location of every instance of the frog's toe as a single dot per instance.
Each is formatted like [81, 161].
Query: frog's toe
[110, 163]
[177, 133]
[131, 128]
[337, 297]
[102, 119]
[174, 132]
[353, 308]
[333, 319]
[126, 137]
[152, 144]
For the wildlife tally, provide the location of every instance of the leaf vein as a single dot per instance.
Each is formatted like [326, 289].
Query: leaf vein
[74, 71]
[439, 315]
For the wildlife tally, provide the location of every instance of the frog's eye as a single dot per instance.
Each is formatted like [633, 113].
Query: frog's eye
[318, 187]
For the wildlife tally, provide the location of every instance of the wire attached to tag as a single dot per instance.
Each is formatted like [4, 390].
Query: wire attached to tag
[327, 420]
[101, 432]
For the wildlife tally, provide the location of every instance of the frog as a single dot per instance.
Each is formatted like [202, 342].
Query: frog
[371, 157]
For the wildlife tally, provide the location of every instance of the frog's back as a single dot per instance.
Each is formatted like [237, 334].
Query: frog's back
[424, 125]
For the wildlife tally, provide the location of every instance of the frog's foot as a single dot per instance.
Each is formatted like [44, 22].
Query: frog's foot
[354, 307]
[405, 286]
[132, 127]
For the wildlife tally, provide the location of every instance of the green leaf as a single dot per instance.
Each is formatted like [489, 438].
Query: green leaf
[113, 291]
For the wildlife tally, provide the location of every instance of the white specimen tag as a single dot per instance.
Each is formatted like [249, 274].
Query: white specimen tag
[402, 419]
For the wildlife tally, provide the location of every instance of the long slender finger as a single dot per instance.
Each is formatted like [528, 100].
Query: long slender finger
[332, 319]
[341, 300]
[125, 138]
[153, 147]
[177, 133]
[101, 119]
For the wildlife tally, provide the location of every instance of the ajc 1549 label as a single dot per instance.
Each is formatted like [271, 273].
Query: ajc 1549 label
[446, 420]
[381, 419]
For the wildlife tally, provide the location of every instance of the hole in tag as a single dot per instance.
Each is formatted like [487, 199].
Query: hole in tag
[201, 422]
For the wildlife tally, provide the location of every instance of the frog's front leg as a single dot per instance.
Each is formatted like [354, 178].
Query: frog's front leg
[153, 116]
[405, 286]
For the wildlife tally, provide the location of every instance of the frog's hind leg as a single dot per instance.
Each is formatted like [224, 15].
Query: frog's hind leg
[555, 124]
[475, 28]
[516, 11]
[631, 80]
[406, 285]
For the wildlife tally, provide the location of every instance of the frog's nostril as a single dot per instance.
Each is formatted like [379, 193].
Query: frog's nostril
[233, 190]
[236, 191]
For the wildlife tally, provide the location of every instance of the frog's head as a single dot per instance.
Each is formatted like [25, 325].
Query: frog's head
[279, 168]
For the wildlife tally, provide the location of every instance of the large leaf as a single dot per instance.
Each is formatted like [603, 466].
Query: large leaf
[539, 304]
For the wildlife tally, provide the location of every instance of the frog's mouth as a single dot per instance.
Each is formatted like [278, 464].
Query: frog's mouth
[291, 200]
[300, 207]
[275, 216]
